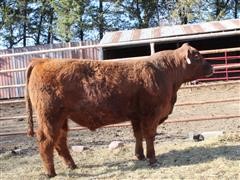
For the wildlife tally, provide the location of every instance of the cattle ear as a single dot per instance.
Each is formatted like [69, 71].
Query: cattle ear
[185, 45]
[187, 57]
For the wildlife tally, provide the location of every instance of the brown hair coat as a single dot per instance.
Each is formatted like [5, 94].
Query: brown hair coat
[99, 93]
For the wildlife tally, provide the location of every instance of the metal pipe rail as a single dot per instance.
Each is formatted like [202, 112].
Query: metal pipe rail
[141, 57]
[229, 66]
[216, 51]
[216, 67]
[183, 87]
[178, 104]
[129, 124]
[17, 89]
[23, 85]
[236, 65]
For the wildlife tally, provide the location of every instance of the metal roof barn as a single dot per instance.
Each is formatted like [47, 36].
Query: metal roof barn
[143, 42]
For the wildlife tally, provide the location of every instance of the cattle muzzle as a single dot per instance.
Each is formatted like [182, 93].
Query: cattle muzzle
[207, 69]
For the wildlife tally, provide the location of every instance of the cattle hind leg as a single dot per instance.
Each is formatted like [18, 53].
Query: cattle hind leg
[46, 145]
[149, 132]
[47, 135]
[62, 148]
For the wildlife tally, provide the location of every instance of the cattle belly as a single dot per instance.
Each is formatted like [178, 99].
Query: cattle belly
[93, 120]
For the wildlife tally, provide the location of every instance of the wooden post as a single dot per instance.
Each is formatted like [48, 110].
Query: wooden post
[152, 48]
[100, 55]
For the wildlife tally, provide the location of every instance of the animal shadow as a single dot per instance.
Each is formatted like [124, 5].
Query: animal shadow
[197, 155]
[190, 156]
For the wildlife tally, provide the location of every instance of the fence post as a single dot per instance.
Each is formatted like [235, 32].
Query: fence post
[70, 52]
[152, 48]
[226, 62]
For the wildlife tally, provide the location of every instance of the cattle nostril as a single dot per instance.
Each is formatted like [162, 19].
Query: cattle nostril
[208, 69]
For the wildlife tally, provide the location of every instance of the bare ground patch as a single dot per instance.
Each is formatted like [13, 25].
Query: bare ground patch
[211, 159]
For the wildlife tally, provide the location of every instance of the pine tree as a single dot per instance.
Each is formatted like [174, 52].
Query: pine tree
[29, 22]
[143, 13]
[8, 24]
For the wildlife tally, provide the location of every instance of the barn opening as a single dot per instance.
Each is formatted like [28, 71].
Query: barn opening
[217, 35]
[144, 49]
[203, 36]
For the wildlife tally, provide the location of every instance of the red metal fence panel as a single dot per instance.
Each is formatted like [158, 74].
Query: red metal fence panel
[226, 65]
[16, 79]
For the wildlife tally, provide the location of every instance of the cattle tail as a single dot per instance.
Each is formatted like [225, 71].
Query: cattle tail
[30, 131]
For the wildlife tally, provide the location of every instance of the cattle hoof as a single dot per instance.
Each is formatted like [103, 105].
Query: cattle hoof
[51, 175]
[154, 165]
[153, 162]
[141, 157]
[72, 167]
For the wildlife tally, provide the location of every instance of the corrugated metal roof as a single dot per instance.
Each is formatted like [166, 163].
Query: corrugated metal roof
[170, 31]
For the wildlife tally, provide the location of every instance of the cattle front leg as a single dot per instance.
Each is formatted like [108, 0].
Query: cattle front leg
[139, 139]
[150, 150]
[46, 151]
[62, 148]
[149, 133]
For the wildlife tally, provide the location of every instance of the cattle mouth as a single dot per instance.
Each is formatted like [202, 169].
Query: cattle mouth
[208, 69]
[210, 73]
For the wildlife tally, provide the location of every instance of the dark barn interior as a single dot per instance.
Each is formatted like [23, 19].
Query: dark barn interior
[144, 49]
[221, 36]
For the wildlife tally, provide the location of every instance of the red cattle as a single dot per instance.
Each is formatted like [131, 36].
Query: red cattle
[98, 93]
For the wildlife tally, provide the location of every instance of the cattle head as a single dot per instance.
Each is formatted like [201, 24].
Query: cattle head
[195, 65]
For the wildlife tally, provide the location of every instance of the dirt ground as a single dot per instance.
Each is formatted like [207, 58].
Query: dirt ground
[217, 158]
[167, 132]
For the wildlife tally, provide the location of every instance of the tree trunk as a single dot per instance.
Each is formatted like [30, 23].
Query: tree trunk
[50, 30]
[42, 9]
[81, 28]
[11, 37]
[81, 34]
[101, 20]
[39, 30]
[218, 8]
[183, 16]
[236, 9]
[138, 14]
[25, 24]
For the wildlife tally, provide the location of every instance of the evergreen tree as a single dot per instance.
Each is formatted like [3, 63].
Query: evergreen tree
[186, 11]
[10, 27]
[42, 22]
[143, 13]
[29, 22]
[81, 24]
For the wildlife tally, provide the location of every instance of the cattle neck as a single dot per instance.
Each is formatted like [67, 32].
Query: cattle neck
[181, 72]
[171, 62]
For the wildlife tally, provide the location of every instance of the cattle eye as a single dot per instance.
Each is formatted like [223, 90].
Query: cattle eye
[197, 56]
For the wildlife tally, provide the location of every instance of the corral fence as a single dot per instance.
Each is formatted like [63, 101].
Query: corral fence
[13, 66]
[13, 63]
[226, 63]
[15, 125]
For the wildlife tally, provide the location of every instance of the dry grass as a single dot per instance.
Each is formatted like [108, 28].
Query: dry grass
[212, 159]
